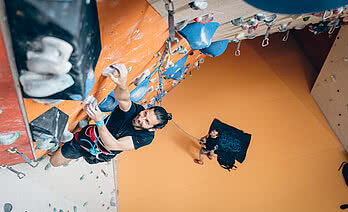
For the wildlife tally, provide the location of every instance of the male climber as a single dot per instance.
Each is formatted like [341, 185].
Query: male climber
[128, 127]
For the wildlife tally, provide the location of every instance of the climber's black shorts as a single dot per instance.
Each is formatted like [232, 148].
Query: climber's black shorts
[72, 150]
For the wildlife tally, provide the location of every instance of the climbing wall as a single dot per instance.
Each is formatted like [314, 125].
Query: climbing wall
[244, 27]
[13, 127]
[134, 34]
[330, 90]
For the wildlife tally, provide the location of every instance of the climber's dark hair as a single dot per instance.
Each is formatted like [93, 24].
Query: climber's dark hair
[162, 116]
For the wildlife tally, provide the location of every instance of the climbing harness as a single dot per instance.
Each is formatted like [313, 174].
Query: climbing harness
[94, 150]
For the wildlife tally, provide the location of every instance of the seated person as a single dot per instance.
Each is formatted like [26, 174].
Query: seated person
[208, 146]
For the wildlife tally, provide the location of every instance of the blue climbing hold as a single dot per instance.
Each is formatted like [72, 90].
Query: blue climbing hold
[109, 103]
[179, 75]
[89, 82]
[137, 94]
[140, 91]
[180, 64]
[198, 35]
[216, 48]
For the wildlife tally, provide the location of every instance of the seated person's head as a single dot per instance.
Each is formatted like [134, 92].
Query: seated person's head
[152, 119]
[213, 134]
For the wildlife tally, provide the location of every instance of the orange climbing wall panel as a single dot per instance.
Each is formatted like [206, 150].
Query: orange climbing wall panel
[11, 118]
[132, 33]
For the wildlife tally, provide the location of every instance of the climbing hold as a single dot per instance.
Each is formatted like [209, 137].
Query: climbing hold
[44, 66]
[109, 70]
[83, 123]
[204, 19]
[89, 82]
[49, 101]
[177, 66]
[157, 54]
[42, 85]
[76, 97]
[48, 128]
[113, 202]
[51, 57]
[238, 21]
[97, 177]
[101, 193]
[216, 48]
[9, 138]
[141, 77]
[8, 207]
[67, 135]
[306, 18]
[85, 204]
[52, 48]
[48, 166]
[75, 209]
[82, 177]
[198, 35]
[90, 100]
[140, 91]
[104, 173]
[199, 4]
[109, 103]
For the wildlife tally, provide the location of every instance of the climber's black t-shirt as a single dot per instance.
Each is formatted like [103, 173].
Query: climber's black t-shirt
[119, 124]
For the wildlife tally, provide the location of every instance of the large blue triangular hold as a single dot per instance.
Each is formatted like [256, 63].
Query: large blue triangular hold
[180, 64]
[216, 48]
[198, 35]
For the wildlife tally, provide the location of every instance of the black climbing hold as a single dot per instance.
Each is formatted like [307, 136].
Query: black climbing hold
[50, 124]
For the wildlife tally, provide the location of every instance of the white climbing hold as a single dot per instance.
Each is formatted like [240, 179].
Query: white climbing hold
[67, 135]
[45, 66]
[83, 123]
[199, 4]
[113, 202]
[53, 49]
[141, 77]
[90, 100]
[65, 49]
[42, 85]
[9, 138]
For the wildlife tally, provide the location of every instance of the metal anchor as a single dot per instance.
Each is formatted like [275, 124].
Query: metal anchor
[20, 175]
[14, 150]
